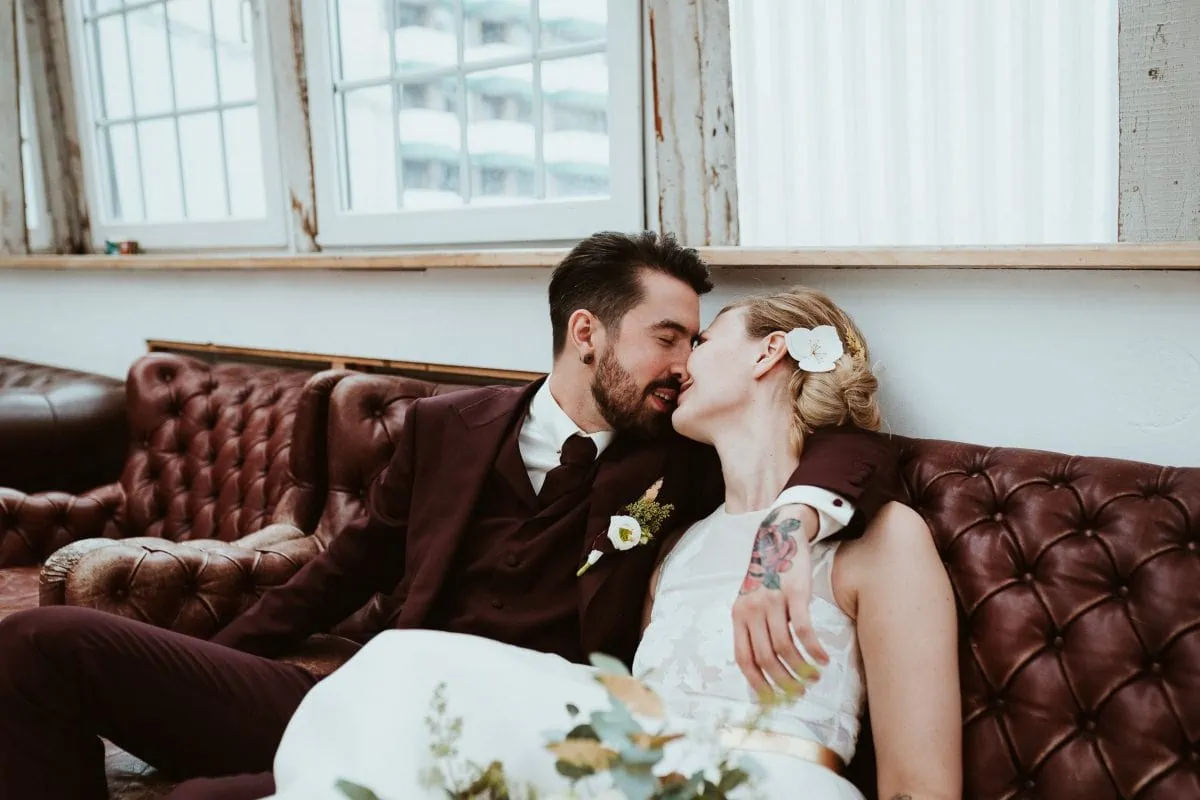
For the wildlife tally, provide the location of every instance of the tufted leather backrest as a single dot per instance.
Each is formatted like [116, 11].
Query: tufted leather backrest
[209, 448]
[60, 429]
[1078, 581]
[366, 413]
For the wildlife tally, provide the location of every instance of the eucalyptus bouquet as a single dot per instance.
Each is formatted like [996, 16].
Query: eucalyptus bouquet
[606, 755]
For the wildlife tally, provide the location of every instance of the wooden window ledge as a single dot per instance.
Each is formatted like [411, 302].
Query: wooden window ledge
[1184, 256]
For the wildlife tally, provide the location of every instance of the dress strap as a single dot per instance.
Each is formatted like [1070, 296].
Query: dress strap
[823, 554]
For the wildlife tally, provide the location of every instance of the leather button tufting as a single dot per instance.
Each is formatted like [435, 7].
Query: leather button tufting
[997, 517]
[1058, 643]
[1191, 546]
[1123, 590]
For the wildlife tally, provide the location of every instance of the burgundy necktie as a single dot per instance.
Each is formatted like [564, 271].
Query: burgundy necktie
[575, 467]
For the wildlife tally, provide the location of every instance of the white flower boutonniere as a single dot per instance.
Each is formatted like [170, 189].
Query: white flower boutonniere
[640, 523]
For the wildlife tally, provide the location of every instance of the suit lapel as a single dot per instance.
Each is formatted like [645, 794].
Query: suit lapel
[511, 466]
[470, 444]
[627, 470]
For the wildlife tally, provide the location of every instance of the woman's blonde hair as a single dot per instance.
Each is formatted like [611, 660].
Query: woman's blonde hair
[847, 393]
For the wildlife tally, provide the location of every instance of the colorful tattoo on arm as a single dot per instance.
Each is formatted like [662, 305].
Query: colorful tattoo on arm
[774, 548]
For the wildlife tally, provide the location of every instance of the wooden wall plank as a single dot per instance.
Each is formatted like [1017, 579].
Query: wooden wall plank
[1159, 58]
[14, 237]
[285, 41]
[688, 56]
[57, 126]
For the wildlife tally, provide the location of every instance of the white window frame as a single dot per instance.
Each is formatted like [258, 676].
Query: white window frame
[551, 220]
[40, 236]
[269, 231]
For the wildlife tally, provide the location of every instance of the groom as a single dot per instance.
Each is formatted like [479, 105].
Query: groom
[480, 524]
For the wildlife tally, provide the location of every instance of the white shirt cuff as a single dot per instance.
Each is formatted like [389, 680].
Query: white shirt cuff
[833, 510]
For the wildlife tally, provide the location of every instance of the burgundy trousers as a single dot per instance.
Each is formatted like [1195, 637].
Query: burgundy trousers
[190, 708]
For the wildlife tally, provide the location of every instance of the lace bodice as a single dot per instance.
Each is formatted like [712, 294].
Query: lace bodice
[687, 651]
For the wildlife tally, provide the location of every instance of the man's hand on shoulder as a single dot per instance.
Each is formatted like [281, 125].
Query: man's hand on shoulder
[773, 602]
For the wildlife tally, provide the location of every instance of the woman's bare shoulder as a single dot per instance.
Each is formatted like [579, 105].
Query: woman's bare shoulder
[896, 539]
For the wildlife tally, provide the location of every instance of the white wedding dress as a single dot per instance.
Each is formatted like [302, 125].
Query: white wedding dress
[367, 722]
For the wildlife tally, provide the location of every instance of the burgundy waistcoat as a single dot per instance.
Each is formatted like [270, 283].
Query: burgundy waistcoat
[513, 577]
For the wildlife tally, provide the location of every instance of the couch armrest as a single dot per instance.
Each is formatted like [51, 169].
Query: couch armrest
[194, 587]
[32, 526]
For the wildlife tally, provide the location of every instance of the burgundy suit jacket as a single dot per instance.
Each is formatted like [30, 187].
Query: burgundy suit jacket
[420, 508]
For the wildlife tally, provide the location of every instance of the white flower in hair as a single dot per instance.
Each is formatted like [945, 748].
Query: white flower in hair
[816, 350]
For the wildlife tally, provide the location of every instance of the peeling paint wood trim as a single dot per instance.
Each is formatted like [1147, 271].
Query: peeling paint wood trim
[14, 236]
[1168, 256]
[1159, 72]
[53, 103]
[692, 106]
[285, 42]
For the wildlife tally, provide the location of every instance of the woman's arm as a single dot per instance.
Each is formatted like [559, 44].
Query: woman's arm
[907, 629]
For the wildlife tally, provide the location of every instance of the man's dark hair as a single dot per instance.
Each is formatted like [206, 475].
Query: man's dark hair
[602, 275]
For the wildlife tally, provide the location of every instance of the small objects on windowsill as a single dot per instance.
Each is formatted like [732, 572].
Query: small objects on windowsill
[127, 247]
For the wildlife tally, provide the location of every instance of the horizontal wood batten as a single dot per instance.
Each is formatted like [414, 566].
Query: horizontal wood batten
[1184, 256]
[319, 361]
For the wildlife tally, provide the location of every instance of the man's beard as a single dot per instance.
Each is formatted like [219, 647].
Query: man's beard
[623, 403]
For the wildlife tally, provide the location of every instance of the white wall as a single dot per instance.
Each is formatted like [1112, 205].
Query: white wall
[1099, 363]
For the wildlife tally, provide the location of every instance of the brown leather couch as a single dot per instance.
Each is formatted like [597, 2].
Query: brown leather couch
[177, 584]
[208, 459]
[60, 429]
[1078, 582]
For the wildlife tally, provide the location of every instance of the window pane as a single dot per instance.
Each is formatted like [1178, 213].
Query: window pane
[565, 22]
[125, 199]
[115, 99]
[431, 143]
[192, 51]
[151, 68]
[575, 120]
[363, 29]
[496, 29]
[160, 160]
[203, 170]
[235, 46]
[500, 134]
[370, 149]
[425, 35]
[100, 6]
[243, 151]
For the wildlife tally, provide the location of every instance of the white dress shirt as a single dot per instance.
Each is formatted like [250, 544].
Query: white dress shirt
[547, 427]
[545, 430]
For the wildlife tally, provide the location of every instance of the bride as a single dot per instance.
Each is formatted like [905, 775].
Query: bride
[766, 372]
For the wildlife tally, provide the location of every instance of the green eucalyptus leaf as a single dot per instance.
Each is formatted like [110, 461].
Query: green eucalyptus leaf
[583, 732]
[606, 663]
[634, 784]
[354, 791]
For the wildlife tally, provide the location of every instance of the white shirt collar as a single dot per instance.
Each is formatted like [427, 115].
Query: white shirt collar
[553, 423]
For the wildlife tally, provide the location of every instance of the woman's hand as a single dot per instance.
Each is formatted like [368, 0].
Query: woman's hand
[773, 603]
